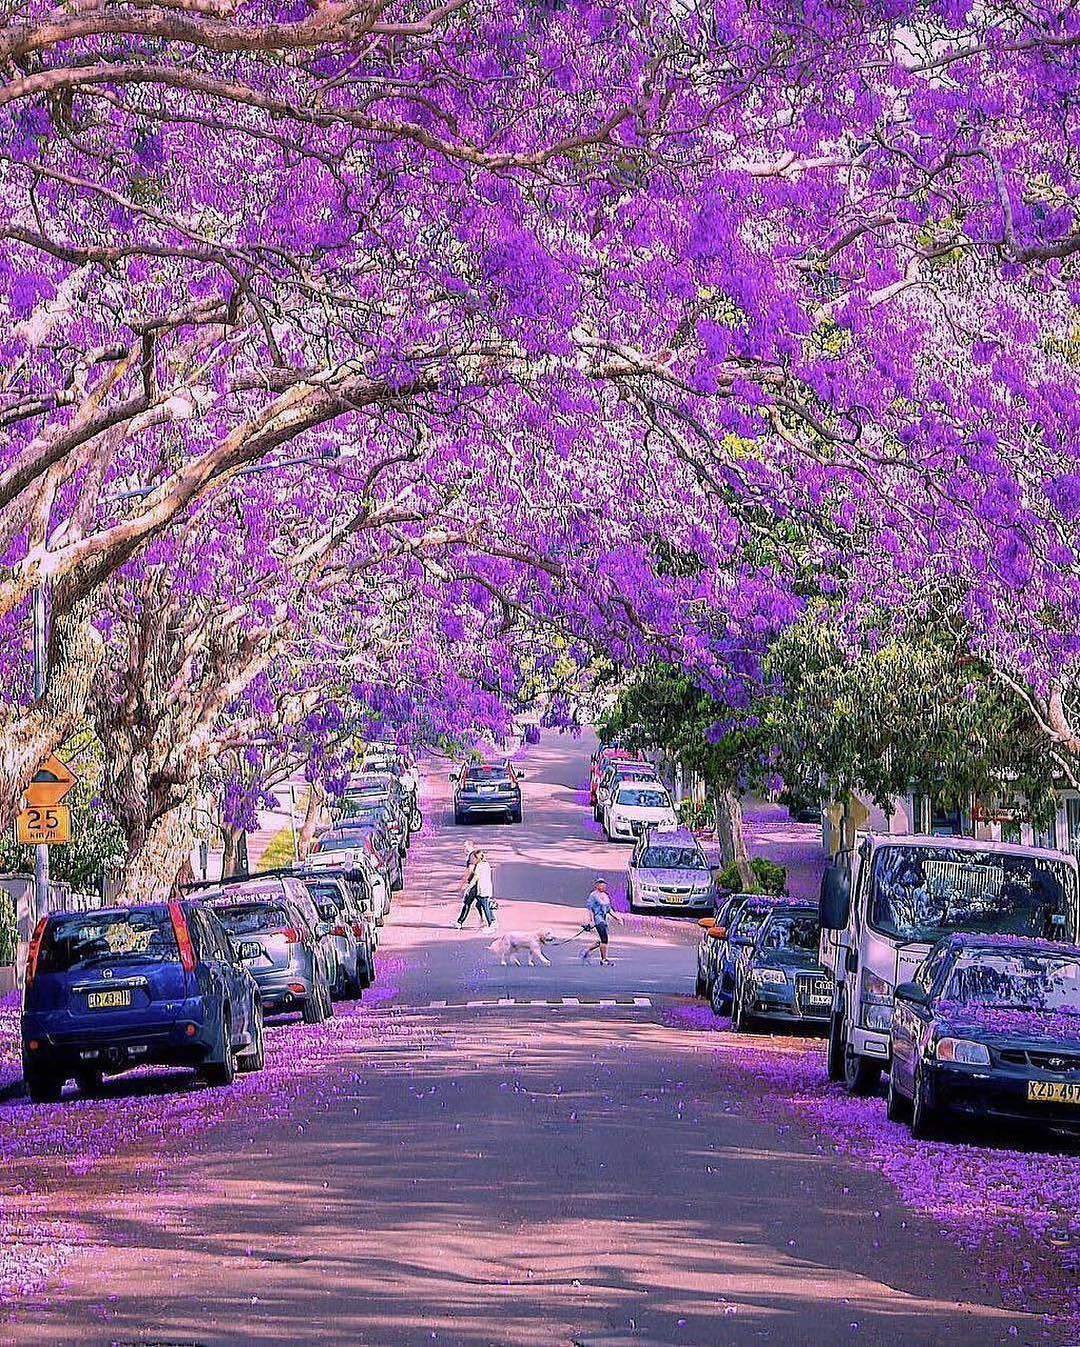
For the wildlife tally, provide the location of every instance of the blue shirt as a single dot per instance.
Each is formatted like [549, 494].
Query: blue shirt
[599, 905]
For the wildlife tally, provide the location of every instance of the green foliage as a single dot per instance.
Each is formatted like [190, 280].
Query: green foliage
[891, 715]
[9, 932]
[664, 709]
[700, 817]
[279, 852]
[768, 877]
[97, 841]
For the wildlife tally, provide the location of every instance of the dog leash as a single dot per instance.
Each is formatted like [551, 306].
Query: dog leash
[580, 931]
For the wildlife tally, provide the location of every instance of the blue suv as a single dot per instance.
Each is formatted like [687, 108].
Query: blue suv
[118, 988]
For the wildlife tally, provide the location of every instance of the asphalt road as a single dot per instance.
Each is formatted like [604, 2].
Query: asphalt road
[507, 1156]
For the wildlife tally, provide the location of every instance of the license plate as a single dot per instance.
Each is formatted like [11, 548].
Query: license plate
[818, 1001]
[487, 790]
[118, 996]
[1054, 1092]
[250, 949]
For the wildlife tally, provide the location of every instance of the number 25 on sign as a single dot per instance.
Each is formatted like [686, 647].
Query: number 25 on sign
[43, 824]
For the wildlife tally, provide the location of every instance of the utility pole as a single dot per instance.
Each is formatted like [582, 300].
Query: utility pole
[41, 638]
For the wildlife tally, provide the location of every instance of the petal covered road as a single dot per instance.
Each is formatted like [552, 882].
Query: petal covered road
[578, 1156]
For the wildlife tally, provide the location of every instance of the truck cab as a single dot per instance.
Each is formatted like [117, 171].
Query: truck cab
[888, 900]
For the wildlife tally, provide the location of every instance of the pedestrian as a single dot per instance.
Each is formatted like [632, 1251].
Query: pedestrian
[598, 905]
[477, 887]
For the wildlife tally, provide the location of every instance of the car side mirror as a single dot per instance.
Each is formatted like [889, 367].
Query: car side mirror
[912, 993]
[716, 933]
[706, 923]
[451, 776]
[835, 902]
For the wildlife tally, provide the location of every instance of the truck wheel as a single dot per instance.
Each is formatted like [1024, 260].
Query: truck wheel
[836, 1047]
[861, 1076]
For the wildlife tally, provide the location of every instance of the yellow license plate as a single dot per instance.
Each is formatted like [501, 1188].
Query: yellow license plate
[121, 996]
[1054, 1091]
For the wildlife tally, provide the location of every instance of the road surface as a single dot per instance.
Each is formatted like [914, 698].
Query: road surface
[497, 1156]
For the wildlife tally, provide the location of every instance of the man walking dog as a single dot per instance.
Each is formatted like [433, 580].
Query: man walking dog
[598, 905]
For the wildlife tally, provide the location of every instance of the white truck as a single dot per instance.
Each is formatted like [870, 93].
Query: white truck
[889, 900]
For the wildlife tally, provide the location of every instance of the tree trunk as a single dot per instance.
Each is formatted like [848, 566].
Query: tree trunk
[729, 830]
[74, 656]
[235, 852]
[153, 871]
[312, 810]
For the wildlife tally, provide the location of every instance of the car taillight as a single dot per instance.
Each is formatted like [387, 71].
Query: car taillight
[291, 934]
[33, 952]
[339, 930]
[358, 930]
[183, 937]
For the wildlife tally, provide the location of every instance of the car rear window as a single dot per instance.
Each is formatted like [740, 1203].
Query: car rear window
[135, 935]
[486, 774]
[326, 896]
[247, 918]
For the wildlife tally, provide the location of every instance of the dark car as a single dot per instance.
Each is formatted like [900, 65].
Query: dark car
[350, 930]
[486, 790]
[382, 797]
[282, 939]
[780, 976]
[989, 1027]
[122, 987]
[739, 933]
[360, 835]
[711, 944]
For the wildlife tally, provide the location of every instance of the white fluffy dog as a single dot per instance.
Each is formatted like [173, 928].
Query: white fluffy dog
[513, 944]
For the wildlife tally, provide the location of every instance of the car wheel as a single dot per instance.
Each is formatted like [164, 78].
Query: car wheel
[860, 1075]
[42, 1085]
[515, 816]
[459, 818]
[925, 1120]
[311, 1012]
[897, 1108]
[836, 1047]
[327, 1002]
[254, 1059]
[719, 999]
[89, 1083]
[221, 1070]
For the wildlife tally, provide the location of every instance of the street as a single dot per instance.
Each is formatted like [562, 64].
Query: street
[477, 1154]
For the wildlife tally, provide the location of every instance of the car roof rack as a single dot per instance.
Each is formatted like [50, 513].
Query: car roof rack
[193, 886]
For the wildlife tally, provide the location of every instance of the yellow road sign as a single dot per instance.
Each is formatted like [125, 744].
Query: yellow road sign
[48, 825]
[52, 781]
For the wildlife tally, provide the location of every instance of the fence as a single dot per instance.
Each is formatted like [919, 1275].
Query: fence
[17, 920]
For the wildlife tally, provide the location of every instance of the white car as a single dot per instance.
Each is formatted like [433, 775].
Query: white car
[634, 807]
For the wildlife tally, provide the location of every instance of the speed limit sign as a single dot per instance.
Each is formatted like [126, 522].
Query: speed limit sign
[48, 825]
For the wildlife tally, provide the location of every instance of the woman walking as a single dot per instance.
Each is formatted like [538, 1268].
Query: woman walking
[477, 887]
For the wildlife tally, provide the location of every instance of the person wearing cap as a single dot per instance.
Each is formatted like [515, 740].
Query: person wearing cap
[598, 905]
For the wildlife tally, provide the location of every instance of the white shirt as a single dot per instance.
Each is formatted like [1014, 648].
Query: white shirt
[482, 879]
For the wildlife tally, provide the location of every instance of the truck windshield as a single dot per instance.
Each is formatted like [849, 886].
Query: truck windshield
[923, 893]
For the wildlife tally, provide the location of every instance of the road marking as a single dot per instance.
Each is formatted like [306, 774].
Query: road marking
[503, 1002]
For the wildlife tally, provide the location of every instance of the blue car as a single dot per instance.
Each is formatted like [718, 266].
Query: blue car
[122, 987]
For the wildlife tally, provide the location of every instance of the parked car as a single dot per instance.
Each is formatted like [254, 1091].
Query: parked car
[634, 807]
[988, 1027]
[380, 761]
[121, 987]
[350, 929]
[669, 872]
[487, 789]
[780, 976]
[602, 760]
[711, 943]
[615, 775]
[359, 864]
[739, 933]
[353, 834]
[385, 792]
[284, 942]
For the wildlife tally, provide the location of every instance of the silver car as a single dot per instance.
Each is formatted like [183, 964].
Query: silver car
[669, 872]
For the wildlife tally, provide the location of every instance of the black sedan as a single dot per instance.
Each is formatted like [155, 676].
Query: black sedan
[487, 790]
[990, 1027]
[780, 977]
